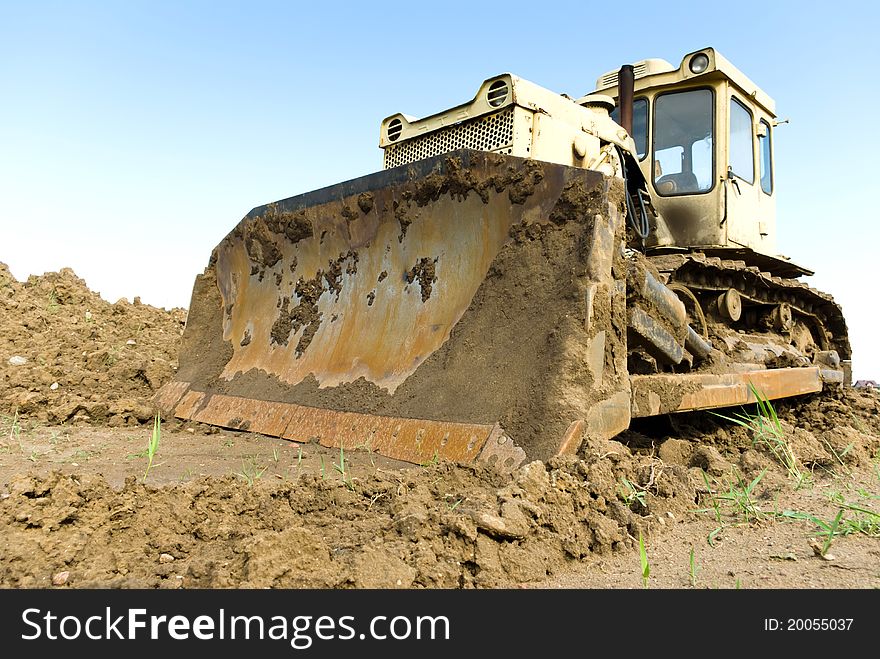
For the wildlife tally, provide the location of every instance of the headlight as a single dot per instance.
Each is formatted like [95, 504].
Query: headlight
[699, 63]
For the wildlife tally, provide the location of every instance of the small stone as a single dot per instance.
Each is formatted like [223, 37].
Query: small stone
[54, 386]
[511, 524]
[818, 549]
[191, 431]
[166, 558]
[17, 360]
[60, 579]
[131, 342]
[88, 315]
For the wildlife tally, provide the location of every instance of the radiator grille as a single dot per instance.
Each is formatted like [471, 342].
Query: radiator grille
[493, 132]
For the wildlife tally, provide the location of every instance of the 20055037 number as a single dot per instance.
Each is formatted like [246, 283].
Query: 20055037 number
[819, 624]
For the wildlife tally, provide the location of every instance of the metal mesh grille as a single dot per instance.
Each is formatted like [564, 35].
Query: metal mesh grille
[489, 133]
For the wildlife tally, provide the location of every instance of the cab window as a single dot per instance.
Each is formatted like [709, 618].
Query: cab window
[766, 155]
[742, 154]
[683, 142]
[640, 125]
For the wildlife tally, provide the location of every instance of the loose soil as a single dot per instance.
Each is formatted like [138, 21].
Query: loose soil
[68, 355]
[229, 509]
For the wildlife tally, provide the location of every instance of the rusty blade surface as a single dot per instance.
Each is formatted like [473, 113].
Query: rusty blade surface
[383, 312]
[411, 440]
[367, 293]
[662, 394]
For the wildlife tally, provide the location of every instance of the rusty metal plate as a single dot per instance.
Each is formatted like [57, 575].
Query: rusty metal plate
[571, 441]
[188, 404]
[265, 417]
[412, 440]
[655, 394]
[169, 395]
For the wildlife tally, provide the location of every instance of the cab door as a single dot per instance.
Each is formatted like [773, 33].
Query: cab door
[748, 212]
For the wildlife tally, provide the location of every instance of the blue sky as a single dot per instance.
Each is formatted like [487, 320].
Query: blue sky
[135, 135]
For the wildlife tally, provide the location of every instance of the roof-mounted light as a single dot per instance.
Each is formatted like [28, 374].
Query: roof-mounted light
[699, 63]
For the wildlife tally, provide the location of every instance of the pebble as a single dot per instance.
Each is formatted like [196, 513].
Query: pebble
[165, 558]
[54, 386]
[88, 315]
[17, 360]
[60, 579]
[131, 342]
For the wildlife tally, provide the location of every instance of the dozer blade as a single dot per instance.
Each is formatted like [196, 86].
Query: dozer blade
[469, 307]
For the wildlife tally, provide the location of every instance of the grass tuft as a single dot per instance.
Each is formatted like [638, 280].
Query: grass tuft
[346, 476]
[153, 444]
[251, 471]
[767, 432]
[643, 559]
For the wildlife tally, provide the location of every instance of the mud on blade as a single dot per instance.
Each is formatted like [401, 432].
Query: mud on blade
[461, 307]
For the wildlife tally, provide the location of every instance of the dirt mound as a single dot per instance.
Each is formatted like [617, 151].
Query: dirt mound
[441, 526]
[67, 354]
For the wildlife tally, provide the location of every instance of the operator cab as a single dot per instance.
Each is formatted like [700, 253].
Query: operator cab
[703, 133]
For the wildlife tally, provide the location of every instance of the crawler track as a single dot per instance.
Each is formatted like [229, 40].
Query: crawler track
[704, 274]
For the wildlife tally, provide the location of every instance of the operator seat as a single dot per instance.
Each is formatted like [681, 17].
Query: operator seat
[681, 183]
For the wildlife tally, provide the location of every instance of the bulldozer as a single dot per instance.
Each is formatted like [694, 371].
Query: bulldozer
[527, 271]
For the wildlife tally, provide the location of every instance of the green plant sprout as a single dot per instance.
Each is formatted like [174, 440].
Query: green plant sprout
[346, 477]
[251, 471]
[153, 446]
[694, 568]
[643, 559]
[629, 493]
